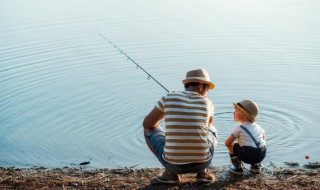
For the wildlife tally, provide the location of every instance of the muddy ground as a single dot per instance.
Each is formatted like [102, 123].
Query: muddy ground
[291, 176]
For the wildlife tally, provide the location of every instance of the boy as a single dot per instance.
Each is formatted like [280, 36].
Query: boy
[251, 145]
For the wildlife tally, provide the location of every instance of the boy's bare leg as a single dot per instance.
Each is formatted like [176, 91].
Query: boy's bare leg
[230, 148]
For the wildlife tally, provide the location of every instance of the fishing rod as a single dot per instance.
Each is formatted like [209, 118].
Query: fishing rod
[129, 58]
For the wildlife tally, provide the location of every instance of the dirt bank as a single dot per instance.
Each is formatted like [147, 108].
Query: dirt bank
[292, 176]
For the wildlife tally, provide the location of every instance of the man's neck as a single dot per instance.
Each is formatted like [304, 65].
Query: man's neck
[193, 89]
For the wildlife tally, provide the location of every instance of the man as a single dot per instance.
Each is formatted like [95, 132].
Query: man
[188, 143]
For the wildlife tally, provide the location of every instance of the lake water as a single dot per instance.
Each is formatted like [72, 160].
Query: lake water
[68, 96]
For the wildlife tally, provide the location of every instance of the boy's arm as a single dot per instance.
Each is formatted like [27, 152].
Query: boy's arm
[230, 140]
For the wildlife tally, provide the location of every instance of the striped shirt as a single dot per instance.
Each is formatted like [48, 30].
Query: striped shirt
[187, 117]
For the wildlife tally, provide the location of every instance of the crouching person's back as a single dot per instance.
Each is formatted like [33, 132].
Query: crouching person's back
[189, 140]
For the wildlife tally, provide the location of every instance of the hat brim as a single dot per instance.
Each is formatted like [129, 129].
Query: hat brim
[243, 111]
[211, 85]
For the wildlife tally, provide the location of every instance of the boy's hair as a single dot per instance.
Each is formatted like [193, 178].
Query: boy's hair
[244, 115]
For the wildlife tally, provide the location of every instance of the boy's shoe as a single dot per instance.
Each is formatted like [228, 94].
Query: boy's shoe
[236, 171]
[168, 177]
[236, 162]
[255, 168]
[205, 176]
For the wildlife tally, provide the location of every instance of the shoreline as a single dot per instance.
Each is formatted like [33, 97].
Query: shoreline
[292, 176]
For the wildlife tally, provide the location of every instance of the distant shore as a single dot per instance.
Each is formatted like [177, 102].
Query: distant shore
[293, 176]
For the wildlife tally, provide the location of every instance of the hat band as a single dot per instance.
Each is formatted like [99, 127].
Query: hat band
[198, 78]
[241, 106]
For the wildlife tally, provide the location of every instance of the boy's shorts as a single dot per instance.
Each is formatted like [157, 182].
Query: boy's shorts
[248, 154]
[156, 138]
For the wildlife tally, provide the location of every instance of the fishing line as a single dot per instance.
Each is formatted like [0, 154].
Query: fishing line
[129, 58]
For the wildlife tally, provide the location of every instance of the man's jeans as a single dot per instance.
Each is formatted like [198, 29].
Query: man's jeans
[156, 138]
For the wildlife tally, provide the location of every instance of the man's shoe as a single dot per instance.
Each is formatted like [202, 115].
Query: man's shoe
[168, 177]
[236, 171]
[255, 168]
[205, 176]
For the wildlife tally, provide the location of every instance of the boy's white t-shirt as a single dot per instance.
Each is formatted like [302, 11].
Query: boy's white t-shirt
[243, 137]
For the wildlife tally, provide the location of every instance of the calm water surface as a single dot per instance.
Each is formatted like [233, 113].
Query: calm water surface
[67, 96]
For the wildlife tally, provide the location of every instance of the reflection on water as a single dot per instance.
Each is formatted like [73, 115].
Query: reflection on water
[67, 96]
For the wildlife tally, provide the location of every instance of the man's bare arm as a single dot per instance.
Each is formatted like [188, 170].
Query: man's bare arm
[153, 119]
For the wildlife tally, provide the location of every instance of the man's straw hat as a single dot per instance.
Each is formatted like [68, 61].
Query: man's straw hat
[248, 107]
[199, 75]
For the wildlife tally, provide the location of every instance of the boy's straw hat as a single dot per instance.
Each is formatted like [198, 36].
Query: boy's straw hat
[248, 107]
[199, 75]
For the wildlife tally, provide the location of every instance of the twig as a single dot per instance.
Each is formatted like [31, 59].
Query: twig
[134, 166]
[5, 179]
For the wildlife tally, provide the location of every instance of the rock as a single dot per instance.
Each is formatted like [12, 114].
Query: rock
[84, 163]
